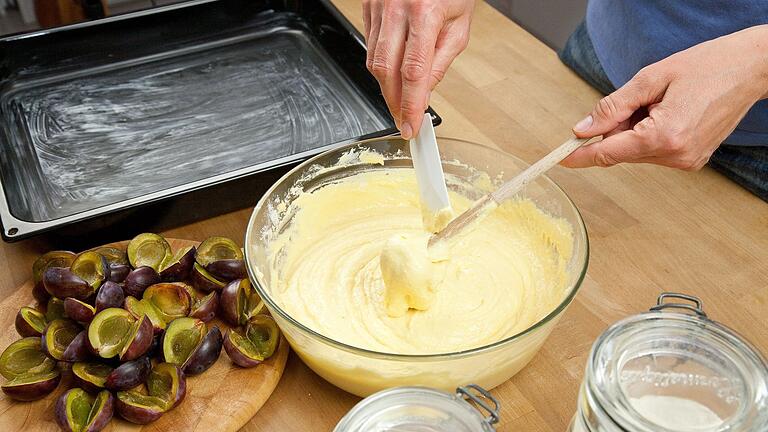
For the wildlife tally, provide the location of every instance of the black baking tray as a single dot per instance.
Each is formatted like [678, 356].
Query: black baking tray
[163, 116]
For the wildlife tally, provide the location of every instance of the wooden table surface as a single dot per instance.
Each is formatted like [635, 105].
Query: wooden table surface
[651, 229]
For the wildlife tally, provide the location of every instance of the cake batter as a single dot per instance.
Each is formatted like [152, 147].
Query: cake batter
[484, 285]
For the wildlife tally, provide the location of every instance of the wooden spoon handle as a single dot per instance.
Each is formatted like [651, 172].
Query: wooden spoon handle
[506, 191]
[510, 188]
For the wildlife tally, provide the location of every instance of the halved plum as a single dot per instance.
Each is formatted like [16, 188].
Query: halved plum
[91, 376]
[222, 258]
[172, 300]
[204, 281]
[78, 350]
[50, 259]
[149, 250]
[109, 331]
[189, 345]
[62, 283]
[139, 280]
[116, 332]
[140, 308]
[205, 308]
[25, 357]
[118, 272]
[113, 255]
[55, 309]
[239, 302]
[91, 267]
[177, 268]
[128, 375]
[30, 322]
[181, 338]
[33, 386]
[215, 249]
[139, 339]
[255, 344]
[110, 295]
[78, 411]
[58, 336]
[167, 381]
[79, 310]
[139, 408]
[31, 373]
[206, 353]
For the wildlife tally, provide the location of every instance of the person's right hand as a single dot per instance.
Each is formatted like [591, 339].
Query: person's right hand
[411, 43]
[677, 111]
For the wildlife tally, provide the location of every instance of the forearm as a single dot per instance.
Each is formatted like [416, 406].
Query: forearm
[756, 39]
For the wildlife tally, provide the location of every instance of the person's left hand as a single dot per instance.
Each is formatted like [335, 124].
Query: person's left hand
[677, 112]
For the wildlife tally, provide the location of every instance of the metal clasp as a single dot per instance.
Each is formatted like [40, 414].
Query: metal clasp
[481, 399]
[697, 306]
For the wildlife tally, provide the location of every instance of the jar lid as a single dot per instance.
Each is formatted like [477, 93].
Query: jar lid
[423, 409]
[678, 371]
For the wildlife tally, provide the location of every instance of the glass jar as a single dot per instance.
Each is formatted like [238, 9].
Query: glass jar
[673, 369]
[423, 409]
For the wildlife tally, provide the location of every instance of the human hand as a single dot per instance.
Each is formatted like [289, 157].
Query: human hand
[676, 112]
[411, 43]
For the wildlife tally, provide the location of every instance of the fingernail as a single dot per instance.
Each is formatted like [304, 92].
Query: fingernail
[406, 131]
[584, 124]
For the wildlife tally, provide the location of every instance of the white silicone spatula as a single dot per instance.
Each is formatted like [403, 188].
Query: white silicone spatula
[429, 169]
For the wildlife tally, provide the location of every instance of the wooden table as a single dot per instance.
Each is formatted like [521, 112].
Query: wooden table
[651, 229]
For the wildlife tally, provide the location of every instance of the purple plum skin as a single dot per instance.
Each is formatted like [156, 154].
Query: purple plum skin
[141, 342]
[79, 349]
[32, 391]
[205, 310]
[227, 269]
[138, 414]
[100, 422]
[179, 270]
[200, 282]
[110, 295]
[77, 311]
[206, 353]
[228, 303]
[236, 355]
[23, 327]
[128, 375]
[140, 279]
[118, 272]
[61, 282]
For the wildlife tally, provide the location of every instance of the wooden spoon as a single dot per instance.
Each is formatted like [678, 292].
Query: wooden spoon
[489, 202]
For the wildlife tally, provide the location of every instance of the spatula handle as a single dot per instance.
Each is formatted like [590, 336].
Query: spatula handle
[510, 188]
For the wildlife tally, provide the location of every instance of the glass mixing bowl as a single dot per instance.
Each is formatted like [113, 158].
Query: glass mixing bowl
[361, 371]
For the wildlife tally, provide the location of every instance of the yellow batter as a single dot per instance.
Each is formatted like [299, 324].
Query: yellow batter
[487, 284]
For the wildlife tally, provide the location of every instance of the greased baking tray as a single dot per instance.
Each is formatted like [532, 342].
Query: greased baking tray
[108, 116]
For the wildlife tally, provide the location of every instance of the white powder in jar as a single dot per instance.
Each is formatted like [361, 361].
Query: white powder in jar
[676, 413]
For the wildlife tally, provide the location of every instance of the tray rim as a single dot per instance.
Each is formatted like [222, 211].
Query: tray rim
[112, 18]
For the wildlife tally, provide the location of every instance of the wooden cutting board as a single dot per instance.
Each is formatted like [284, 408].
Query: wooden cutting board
[223, 398]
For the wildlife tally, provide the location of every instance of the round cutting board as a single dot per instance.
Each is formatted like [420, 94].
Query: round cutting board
[223, 398]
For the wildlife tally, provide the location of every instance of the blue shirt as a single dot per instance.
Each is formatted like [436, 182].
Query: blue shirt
[630, 34]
